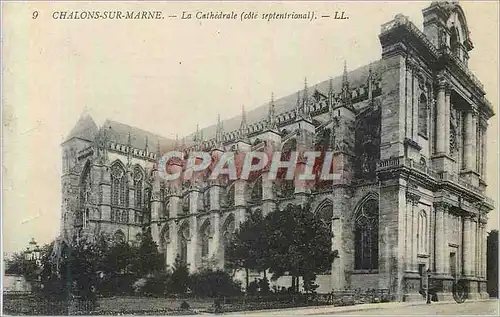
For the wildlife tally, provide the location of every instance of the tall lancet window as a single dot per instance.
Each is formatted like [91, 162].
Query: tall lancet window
[184, 237]
[423, 116]
[366, 236]
[422, 233]
[205, 239]
[119, 195]
[138, 178]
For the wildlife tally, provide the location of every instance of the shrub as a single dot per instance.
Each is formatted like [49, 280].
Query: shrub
[185, 305]
[213, 283]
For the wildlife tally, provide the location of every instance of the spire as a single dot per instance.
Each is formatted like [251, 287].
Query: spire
[330, 97]
[158, 151]
[220, 131]
[244, 124]
[370, 83]
[345, 95]
[146, 146]
[129, 153]
[197, 135]
[176, 144]
[271, 117]
[305, 99]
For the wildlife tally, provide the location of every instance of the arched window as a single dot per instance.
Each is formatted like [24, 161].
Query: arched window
[183, 241]
[147, 198]
[138, 178]
[205, 238]
[454, 40]
[230, 195]
[119, 195]
[366, 236]
[325, 214]
[227, 234]
[164, 239]
[422, 233]
[257, 190]
[287, 185]
[423, 116]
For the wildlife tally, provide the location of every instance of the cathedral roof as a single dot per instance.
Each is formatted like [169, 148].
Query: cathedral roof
[119, 133]
[356, 77]
[85, 129]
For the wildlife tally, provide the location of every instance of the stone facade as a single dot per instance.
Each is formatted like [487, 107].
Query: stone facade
[408, 137]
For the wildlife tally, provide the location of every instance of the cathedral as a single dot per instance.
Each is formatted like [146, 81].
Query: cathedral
[408, 130]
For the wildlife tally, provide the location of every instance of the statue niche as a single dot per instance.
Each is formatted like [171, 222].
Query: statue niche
[367, 144]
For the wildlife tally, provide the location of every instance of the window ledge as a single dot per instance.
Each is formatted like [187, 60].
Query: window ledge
[423, 255]
[365, 271]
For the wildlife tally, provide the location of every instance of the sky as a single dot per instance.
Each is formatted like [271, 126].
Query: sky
[167, 76]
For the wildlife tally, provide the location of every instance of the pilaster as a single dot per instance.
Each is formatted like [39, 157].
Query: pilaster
[240, 200]
[268, 196]
[441, 159]
[412, 200]
[467, 247]
[441, 260]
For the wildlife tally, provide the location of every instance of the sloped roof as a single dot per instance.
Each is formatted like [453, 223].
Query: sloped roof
[119, 133]
[356, 77]
[85, 129]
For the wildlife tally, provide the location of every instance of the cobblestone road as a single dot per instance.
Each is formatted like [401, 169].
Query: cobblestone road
[489, 307]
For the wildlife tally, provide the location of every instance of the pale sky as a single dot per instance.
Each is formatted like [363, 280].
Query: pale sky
[167, 75]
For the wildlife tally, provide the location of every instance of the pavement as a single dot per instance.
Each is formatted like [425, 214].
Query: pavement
[477, 307]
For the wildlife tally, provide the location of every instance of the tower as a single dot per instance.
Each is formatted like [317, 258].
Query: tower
[77, 183]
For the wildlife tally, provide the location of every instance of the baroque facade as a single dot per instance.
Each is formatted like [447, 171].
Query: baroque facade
[408, 132]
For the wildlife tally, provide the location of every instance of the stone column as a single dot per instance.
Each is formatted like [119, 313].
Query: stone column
[469, 153]
[484, 141]
[474, 140]
[484, 250]
[105, 202]
[409, 99]
[441, 138]
[215, 210]
[268, 199]
[174, 206]
[467, 247]
[240, 186]
[409, 234]
[479, 252]
[415, 103]
[473, 254]
[440, 249]
[338, 274]
[414, 251]
[193, 253]
[216, 240]
[447, 120]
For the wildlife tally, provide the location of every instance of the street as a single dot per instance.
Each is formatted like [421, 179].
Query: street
[482, 307]
[489, 307]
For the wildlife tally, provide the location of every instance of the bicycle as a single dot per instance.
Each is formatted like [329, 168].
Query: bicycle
[459, 290]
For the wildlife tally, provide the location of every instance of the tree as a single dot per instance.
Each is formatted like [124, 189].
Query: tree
[299, 243]
[19, 265]
[70, 269]
[180, 277]
[248, 249]
[290, 241]
[492, 263]
[147, 260]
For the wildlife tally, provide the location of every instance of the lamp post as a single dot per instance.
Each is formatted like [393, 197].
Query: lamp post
[428, 296]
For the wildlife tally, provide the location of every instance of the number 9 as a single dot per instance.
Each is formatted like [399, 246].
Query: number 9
[35, 14]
